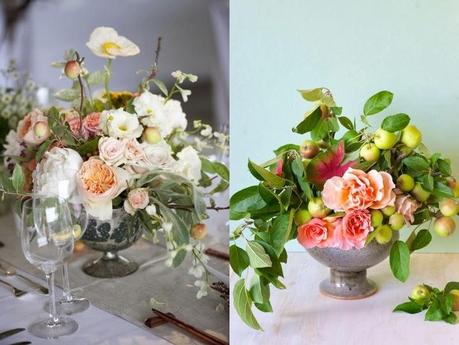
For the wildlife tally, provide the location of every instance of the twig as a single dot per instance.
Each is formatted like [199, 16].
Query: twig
[189, 207]
[80, 81]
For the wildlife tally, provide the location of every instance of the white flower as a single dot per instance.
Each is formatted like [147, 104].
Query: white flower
[105, 42]
[151, 210]
[206, 131]
[184, 93]
[156, 112]
[202, 285]
[158, 155]
[120, 124]
[56, 174]
[12, 145]
[112, 151]
[189, 164]
[181, 77]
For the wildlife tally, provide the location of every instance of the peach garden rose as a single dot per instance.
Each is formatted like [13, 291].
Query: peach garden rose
[318, 233]
[356, 226]
[358, 190]
[137, 199]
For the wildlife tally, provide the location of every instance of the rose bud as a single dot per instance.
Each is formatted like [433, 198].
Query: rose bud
[41, 130]
[72, 69]
[151, 135]
[199, 231]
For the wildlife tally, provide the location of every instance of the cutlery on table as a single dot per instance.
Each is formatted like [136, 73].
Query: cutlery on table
[203, 336]
[11, 271]
[17, 292]
[22, 343]
[11, 332]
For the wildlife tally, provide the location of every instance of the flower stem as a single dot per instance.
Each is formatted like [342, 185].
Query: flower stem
[107, 79]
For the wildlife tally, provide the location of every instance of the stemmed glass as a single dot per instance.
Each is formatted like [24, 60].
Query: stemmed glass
[46, 239]
[70, 304]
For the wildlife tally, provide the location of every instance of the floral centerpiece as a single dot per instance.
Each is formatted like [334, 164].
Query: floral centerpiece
[344, 198]
[125, 152]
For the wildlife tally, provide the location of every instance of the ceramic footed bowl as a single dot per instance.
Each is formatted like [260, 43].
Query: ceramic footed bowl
[348, 269]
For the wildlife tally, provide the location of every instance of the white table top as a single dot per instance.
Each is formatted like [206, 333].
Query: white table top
[303, 316]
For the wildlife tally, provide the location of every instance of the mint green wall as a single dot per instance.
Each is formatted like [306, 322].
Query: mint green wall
[355, 48]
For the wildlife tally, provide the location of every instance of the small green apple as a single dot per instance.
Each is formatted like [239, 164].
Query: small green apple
[302, 216]
[199, 231]
[151, 135]
[420, 294]
[41, 130]
[419, 193]
[455, 294]
[388, 210]
[317, 208]
[309, 149]
[411, 136]
[396, 221]
[376, 218]
[444, 226]
[383, 234]
[384, 140]
[369, 152]
[405, 183]
[452, 183]
[448, 207]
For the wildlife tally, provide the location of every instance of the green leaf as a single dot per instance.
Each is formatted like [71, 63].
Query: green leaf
[451, 286]
[400, 260]
[309, 123]
[346, 122]
[442, 191]
[409, 307]
[257, 255]
[96, 77]
[395, 123]
[42, 149]
[259, 292]
[378, 102]
[450, 318]
[17, 178]
[244, 201]
[280, 232]
[416, 163]
[243, 305]
[161, 86]
[444, 167]
[312, 95]
[434, 312]
[298, 171]
[421, 240]
[67, 95]
[239, 260]
[285, 148]
[264, 307]
[428, 183]
[88, 147]
[267, 175]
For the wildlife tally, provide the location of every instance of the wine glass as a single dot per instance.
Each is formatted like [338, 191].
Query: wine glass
[70, 304]
[46, 239]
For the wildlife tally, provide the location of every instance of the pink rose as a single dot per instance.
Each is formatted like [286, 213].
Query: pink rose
[355, 228]
[111, 151]
[359, 190]
[317, 233]
[98, 184]
[72, 118]
[91, 125]
[406, 206]
[33, 128]
[137, 199]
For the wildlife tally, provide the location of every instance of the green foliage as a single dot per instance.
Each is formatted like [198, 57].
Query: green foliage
[377, 103]
[243, 304]
[17, 179]
[395, 123]
[400, 260]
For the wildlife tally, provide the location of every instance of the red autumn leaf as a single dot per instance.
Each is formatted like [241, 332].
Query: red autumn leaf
[328, 164]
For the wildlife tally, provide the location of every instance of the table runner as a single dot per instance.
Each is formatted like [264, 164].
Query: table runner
[129, 297]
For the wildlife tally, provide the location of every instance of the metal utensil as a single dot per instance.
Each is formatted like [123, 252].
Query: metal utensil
[11, 271]
[10, 332]
[22, 343]
[17, 292]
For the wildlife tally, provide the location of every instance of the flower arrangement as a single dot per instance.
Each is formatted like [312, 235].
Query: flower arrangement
[339, 189]
[125, 150]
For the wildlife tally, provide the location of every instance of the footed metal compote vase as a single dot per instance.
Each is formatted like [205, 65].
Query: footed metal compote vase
[109, 237]
[348, 269]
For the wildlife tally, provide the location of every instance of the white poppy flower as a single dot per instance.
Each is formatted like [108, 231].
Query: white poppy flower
[120, 124]
[105, 42]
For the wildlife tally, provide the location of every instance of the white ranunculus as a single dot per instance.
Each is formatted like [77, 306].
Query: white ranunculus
[105, 42]
[120, 124]
[156, 112]
[189, 164]
[56, 174]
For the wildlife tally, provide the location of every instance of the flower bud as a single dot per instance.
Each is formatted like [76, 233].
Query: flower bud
[151, 135]
[72, 69]
[199, 231]
[41, 130]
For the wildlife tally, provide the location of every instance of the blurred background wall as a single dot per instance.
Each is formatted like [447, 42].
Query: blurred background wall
[195, 40]
[355, 48]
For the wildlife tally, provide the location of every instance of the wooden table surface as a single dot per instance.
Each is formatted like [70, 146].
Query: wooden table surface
[303, 316]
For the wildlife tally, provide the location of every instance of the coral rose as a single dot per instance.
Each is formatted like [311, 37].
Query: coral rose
[406, 205]
[33, 128]
[99, 184]
[137, 199]
[90, 127]
[72, 118]
[357, 190]
[318, 233]
[355, 228]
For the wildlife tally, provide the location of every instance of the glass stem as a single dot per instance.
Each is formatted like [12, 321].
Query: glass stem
[66, 282]
[53, 316]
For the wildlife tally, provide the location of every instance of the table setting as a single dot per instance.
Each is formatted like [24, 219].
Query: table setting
[120, 208]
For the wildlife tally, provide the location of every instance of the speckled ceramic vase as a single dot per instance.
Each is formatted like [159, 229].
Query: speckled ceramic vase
[348, 269]
[109, 237]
